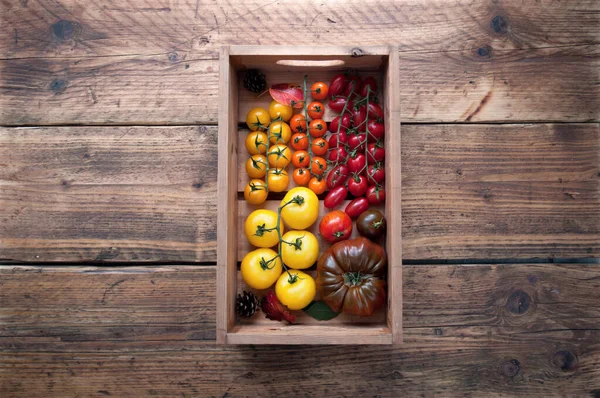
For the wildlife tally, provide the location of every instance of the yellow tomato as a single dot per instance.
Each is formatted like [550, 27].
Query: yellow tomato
[277, 110]
[261, 268]
[279, 156]
[301, 208]
[295, 289]
[279, 133]
[258, 119]
[278, 180]
[255, 192]
[260, 228]
[299, 249]
[256, 166]
[256, 142]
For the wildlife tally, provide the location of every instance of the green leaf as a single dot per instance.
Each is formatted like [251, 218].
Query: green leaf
[320, 311]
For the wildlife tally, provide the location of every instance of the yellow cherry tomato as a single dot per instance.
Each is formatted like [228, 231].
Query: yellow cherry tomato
[280, 132]
[256, 142]
[261, 268]
[255, 192]
[278, 180]
[258, 119]
[260, 228]
[299, 249]
[279, 156]
[277, 110]
[301, 208]
[256, 166]
[295, 289]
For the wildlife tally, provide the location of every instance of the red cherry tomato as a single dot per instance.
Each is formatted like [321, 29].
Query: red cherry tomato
[371, 83]
[376, 194]
[338, 85]
[337, 154]
[335, 197]
[375, 111]
[335, 226]
[375, 153]
[357, 142]
[358, 118]
[357, 185]
[376, 130]
[345, 120]
[357, 163]
[375, 173]
[337, 176]
[356, 207]
[354, 86]
[337, 104]
[334, 139]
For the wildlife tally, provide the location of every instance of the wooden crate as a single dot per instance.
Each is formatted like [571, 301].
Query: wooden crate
[385, 326]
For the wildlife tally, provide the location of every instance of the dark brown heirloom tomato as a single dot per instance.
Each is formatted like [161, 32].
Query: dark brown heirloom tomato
[350, 277]
[371, 224]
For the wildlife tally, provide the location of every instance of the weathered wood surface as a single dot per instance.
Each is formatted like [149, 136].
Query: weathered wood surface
[64, 62]
[102, 194]
[526, 329]
[149, 194]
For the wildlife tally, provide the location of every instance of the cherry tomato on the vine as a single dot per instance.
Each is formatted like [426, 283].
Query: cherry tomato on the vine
[375, 111]
[278, 110]
[317, 128]
[354, 86]
[279, 156]
[258, 119]
[338, 85]
[256, 142]
[278, 180]
[357, 185]
[256, 166]
[299, 141]
[337, 104]
[375, 173]
[337, 154]
[300, 159]
[376, 194]
[375, 153]
[317, 185]
[301, 176]
[318, 165]
[357, 142]
[337, 176]
[356, 163]
[376, 130]
[319, 146]
[255, 192]
[335, 139]
[356, 207]
[369, 83]
[298, 123]
[345, 121]
[316, 110]
[335, 196]
[279, 132]
[319, 91]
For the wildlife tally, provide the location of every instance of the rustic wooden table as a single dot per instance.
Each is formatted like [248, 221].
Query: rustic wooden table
[108, 198]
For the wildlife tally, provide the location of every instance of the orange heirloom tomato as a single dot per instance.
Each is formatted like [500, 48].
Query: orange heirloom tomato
[256, 166]
[319, 91]
[300, 159]
[299, 141]
[255, 192]
[298, 123]
[256, 142]
[301, 176]
[279, 156]
[316, 110]
[317, 185]
[317, 128]
[319, 146]
[318, 165]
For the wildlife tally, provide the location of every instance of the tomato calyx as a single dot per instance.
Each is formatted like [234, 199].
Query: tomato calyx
[354, 278]
[254, 187]
[297, 244]
[265, 264]
[258, 124]
[279, 151]
[261, 230]
[339, 234]
[293, 278]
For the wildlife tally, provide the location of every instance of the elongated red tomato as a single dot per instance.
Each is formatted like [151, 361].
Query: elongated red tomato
[354, 86]
[335, 197]
[369, 83]
[357, 163]
[335, 139]
[376, 130]
[356, 207]
[338, 85]
[345, 120]
[375, 173]
[376, 194]
[375, 153]
[375, 111]
[337, 154]
[337, 176]
[337, 104]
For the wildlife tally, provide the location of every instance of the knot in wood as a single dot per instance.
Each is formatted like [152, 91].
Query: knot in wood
[58, 85]
[500, 24]
[484, 51]
[564, 360]
[357, 52]
[510, 368]
[65, 30]
[518, 302]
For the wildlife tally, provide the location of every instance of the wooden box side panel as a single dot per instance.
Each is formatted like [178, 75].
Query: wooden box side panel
[227, 198]
[393, 205]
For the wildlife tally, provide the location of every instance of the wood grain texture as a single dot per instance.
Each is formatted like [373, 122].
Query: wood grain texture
[155, 63]
[108, 194]
[516, 191]
[526, 329]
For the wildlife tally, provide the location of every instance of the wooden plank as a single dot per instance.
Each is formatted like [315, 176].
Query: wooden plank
[526, 329]
[108, 194]
[68, 28]
[505, 191]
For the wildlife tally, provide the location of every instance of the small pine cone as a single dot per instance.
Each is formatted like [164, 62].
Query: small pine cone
[255, 81]
[247, 304]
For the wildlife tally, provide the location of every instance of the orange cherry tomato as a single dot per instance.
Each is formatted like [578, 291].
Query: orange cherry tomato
[318, 166]
[319, 146]
[319, 91]
[317, 185]
[298, 123]
[299, 141]
[300, 159]
[316, 110]
[301, 176]
[317, 128]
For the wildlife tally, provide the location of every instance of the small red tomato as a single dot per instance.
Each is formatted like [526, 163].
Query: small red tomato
[299, 142]
[335, 226]
[369, 83]
[375, 153]
[357, 163]
[376, 130]
[356, 207]
[335, 197]
[337, 154]
[319, 146]
[337, 176]
[375, 173]
[357, 185]
[376, 194]
[375, 111]
[345, 122]
[357, 142]
[338, 85]
[316, 110]
[337, 104]
[358, 118]
[334, 139]
[354, 86]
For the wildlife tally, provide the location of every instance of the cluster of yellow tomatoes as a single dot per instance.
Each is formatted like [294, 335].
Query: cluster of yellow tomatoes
[297, 249]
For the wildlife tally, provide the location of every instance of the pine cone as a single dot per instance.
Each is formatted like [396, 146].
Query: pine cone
[247, 304]
[255, 81]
